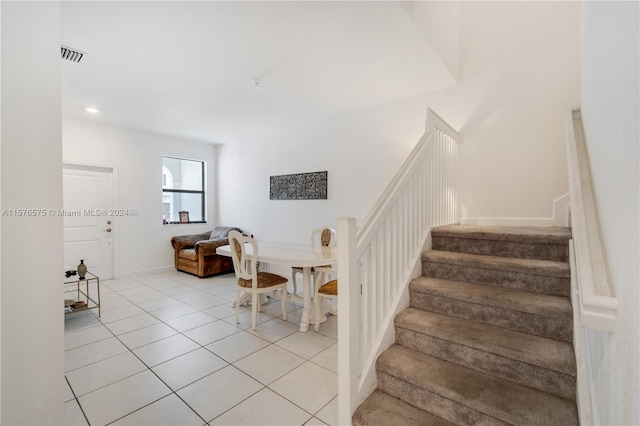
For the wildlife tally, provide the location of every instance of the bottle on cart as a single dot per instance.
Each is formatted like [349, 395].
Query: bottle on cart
[82, 269]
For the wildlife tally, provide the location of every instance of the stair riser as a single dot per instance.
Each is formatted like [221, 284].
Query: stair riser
[383, 409]
[539, 378]
[434, 403]
[523, 250]
[557, 286]
[552, 325]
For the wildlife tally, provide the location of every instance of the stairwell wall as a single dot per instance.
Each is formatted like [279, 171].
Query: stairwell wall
[610, 111]
[517, 65]
[519, 70]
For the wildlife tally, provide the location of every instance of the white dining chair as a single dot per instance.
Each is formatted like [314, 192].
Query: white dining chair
[321, 237]
[249, 280]
[328, 290]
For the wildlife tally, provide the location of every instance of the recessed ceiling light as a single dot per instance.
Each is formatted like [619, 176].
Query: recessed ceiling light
[91, 110]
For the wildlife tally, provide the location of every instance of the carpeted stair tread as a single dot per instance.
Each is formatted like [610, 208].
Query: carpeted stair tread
[539, 276]
[549, 243]
[500, 297]
[539, 351]
[525, 234]
[510, 264]
[383, 410]
[533, 313]
[487, 339]
[537, 362]
[495, 398]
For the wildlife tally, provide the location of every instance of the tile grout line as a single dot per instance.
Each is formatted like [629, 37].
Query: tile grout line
[154, 373]
[178, 332]
[75, 398]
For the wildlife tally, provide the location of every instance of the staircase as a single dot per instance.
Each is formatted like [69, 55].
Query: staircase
[487, 338]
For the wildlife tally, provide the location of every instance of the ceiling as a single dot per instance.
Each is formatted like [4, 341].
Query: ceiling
[185, 69]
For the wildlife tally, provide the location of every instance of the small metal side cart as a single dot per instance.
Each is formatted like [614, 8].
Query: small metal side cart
[91, 301]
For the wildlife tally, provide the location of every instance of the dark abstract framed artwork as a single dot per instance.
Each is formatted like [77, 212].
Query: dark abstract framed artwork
[299, 186]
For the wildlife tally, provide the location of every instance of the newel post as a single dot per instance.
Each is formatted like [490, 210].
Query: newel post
[348, 319]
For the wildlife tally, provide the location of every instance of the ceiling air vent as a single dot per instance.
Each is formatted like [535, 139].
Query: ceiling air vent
[71, 54]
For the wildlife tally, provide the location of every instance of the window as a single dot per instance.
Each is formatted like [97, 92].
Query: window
[182, 190]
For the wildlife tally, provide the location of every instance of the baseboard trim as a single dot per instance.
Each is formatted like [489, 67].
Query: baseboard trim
[560, 216]
[147, 271]
[507, 221]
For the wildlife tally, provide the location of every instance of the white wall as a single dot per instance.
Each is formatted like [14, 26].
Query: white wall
[610, 111]
[361, 152]
[519, 71]
[142, 242]
[32, 327]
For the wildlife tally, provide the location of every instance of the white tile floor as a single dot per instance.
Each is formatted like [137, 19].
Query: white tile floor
[167, 351]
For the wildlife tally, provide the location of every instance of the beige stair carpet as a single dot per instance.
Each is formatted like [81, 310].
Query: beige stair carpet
[487, 339]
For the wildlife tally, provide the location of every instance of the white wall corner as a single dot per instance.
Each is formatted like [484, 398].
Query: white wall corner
[439, 24]
[561, 213]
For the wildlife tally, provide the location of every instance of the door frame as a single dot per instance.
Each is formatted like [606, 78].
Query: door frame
[105, 168]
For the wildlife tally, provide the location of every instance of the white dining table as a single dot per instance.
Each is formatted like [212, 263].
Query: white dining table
[294, 255]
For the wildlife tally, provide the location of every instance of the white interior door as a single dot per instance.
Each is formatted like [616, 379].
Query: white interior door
[88, 226]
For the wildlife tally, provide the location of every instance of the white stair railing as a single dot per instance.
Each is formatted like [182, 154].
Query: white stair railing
[594, 299]
[378, 259]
